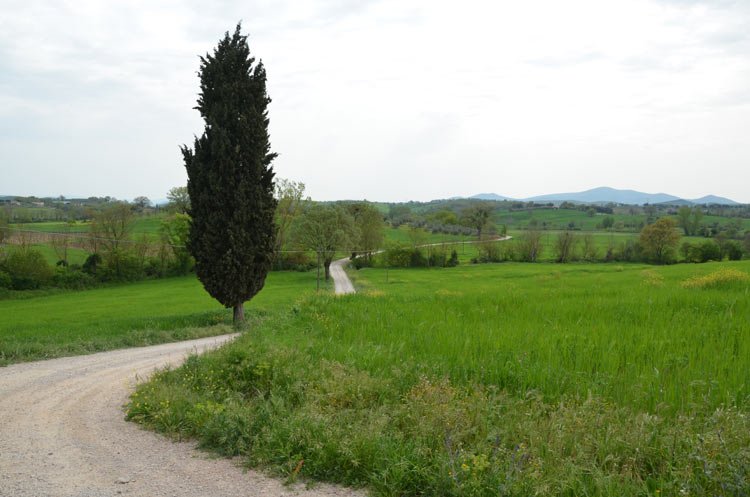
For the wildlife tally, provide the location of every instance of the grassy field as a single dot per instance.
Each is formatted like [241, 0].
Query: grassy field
[508, 379]
[140, 313]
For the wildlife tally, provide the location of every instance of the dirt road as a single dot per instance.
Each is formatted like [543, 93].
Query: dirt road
[63, 433]
[341, 282]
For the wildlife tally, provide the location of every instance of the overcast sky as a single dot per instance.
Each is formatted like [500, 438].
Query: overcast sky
[387, 100]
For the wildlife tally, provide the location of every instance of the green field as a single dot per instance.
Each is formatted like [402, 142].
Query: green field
[140, 313]
[507, 379]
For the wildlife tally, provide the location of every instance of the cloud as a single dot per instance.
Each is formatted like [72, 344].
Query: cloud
[505, 93]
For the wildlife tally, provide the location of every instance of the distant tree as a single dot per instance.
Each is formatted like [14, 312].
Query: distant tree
[589, 251]
[230, 178]
[689, 219]
[112, 226]
[746, 242]
[530, 246]
[4, 232]
[565, 246]
[141, 203]
[733, 250]
[608, 222]
[445, 217]
[174, 231]
[290, 203]
[179, 200]
[60, 243]
[28, 269]
[591, 212]
[659, 240]
[478, 217]
[370, 228]
[399, 214]
[417, 236]
[325, 229]
[650, 211]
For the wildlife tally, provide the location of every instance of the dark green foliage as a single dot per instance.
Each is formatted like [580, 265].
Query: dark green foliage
[453, 261]
[121, 265]
[92, 263]
[705, 251]
[28, 269]
[5, 281]
[733, 250]
[230, 178]
[72, 278]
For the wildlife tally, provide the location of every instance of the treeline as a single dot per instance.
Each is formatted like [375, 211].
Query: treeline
[658, 243]
[114, 255]
[308, 234]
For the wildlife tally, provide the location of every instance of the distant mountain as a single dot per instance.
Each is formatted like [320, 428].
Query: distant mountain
[490, 196]
[713, 199]
[605, 194]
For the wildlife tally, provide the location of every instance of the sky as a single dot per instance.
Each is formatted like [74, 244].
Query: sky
[387, 100]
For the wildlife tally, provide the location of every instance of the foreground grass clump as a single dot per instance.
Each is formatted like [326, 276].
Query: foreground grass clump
[492, 380]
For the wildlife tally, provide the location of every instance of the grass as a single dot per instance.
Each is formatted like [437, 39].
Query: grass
[509, 379]
[135, 314]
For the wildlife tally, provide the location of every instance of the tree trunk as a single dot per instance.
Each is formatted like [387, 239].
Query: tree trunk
[239, 314]
[317, 266]
[327, 266]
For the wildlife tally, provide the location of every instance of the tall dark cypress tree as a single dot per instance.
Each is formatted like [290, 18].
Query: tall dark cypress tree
[230, 178]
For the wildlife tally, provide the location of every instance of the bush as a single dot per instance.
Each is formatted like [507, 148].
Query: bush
[705, 251]
[92, 263]
[453, 261]
[733, 250]
[72, 279]
[121, 266]
[28, 269]
[360, 262]
[397, 255]
[629, 251]
[5, 281]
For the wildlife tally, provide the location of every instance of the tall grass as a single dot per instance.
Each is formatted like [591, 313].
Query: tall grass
[509, 379]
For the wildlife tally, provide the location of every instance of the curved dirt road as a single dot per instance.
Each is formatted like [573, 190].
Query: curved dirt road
[63, 433]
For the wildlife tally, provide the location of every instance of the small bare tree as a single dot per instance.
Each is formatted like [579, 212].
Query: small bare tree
[530, 246]
[565, 246]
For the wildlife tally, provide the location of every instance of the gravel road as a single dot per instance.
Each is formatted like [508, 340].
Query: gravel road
[63, 433]
[341, 282]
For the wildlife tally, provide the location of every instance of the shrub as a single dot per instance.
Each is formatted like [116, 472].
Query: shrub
[629, 251]
[5, 280]
[28, 269]
[360, 262]
[733, 250]
[121, 266]
[72, 279]
[92, 263]
[453, 261]
[710, 251]
[397, 255]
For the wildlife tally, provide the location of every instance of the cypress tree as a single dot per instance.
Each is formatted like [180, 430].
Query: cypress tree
[230, 178]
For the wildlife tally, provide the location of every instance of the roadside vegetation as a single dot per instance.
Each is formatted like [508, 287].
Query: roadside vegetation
[512, 379]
